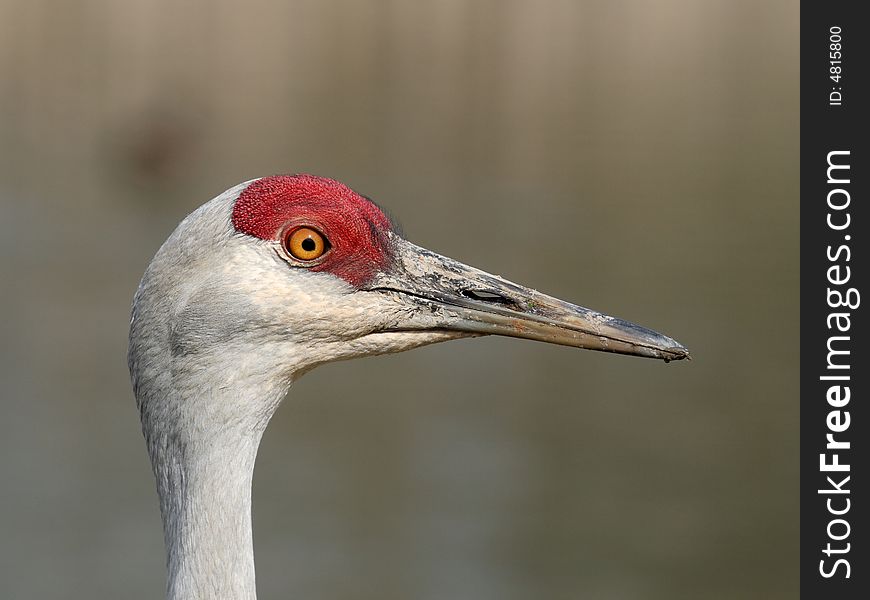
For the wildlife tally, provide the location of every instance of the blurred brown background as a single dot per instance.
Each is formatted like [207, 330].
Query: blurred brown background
[640, 158]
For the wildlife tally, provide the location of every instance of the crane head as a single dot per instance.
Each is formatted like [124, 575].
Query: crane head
[268, 280]
[283, 273]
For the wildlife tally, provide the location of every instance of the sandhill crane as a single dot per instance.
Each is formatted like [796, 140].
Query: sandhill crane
[263, 283]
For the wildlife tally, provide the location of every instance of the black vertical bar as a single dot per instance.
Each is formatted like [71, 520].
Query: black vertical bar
[835, 225]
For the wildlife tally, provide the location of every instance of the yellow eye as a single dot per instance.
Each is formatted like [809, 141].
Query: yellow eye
[306, 243]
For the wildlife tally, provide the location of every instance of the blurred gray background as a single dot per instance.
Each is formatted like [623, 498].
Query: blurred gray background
[640, 158]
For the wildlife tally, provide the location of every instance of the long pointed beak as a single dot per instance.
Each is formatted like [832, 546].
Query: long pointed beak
[449, 295]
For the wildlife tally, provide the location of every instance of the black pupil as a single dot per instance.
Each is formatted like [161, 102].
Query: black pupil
[309, 245]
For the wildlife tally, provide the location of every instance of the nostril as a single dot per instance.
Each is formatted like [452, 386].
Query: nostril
[487, 296]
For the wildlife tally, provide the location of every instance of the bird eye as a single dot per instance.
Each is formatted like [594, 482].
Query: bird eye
[306, 243]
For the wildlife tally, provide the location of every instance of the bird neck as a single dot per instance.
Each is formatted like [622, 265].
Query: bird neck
[204, 470]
